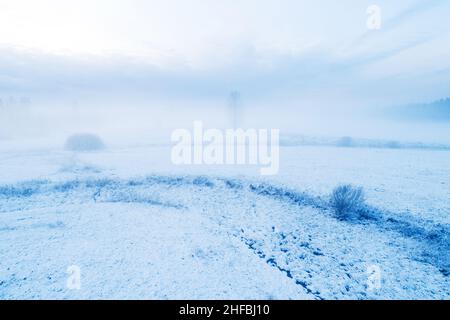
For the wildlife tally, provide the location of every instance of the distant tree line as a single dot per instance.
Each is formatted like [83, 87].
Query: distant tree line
[14, 102]
[437, 111]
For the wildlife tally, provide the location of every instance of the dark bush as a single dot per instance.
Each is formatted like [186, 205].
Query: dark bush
[347, 202]
[346, 142]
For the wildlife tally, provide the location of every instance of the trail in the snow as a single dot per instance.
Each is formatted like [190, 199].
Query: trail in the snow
[436, 236]
[250, 211]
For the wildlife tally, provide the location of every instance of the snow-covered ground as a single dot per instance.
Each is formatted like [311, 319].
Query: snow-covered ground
[139, 227]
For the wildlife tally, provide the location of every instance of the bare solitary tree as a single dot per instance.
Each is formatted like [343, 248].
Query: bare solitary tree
[234, 102]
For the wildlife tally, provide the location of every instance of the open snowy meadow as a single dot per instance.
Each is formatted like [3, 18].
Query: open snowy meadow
[129, 224]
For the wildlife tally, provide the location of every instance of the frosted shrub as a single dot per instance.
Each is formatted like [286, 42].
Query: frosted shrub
[84, 142]
[347, 202]
[345, 142]
[393, 145]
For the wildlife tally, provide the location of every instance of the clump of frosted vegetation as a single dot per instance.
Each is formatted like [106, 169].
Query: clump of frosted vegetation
[346, 142]
[84, 142]
[348, 202]
[393, 145]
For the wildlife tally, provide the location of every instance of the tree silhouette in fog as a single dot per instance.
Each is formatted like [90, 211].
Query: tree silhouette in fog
[234, 103]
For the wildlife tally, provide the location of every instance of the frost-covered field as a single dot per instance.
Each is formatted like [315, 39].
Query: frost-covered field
[139, 227]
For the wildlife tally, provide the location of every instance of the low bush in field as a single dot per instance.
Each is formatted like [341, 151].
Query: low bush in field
[346, 142]
[84, 142]
[348, 202]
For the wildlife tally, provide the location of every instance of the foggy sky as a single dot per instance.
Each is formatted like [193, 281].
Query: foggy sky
[203, 48]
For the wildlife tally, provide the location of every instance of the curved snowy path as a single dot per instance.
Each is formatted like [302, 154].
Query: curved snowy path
[162, 237]
[126, 245]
